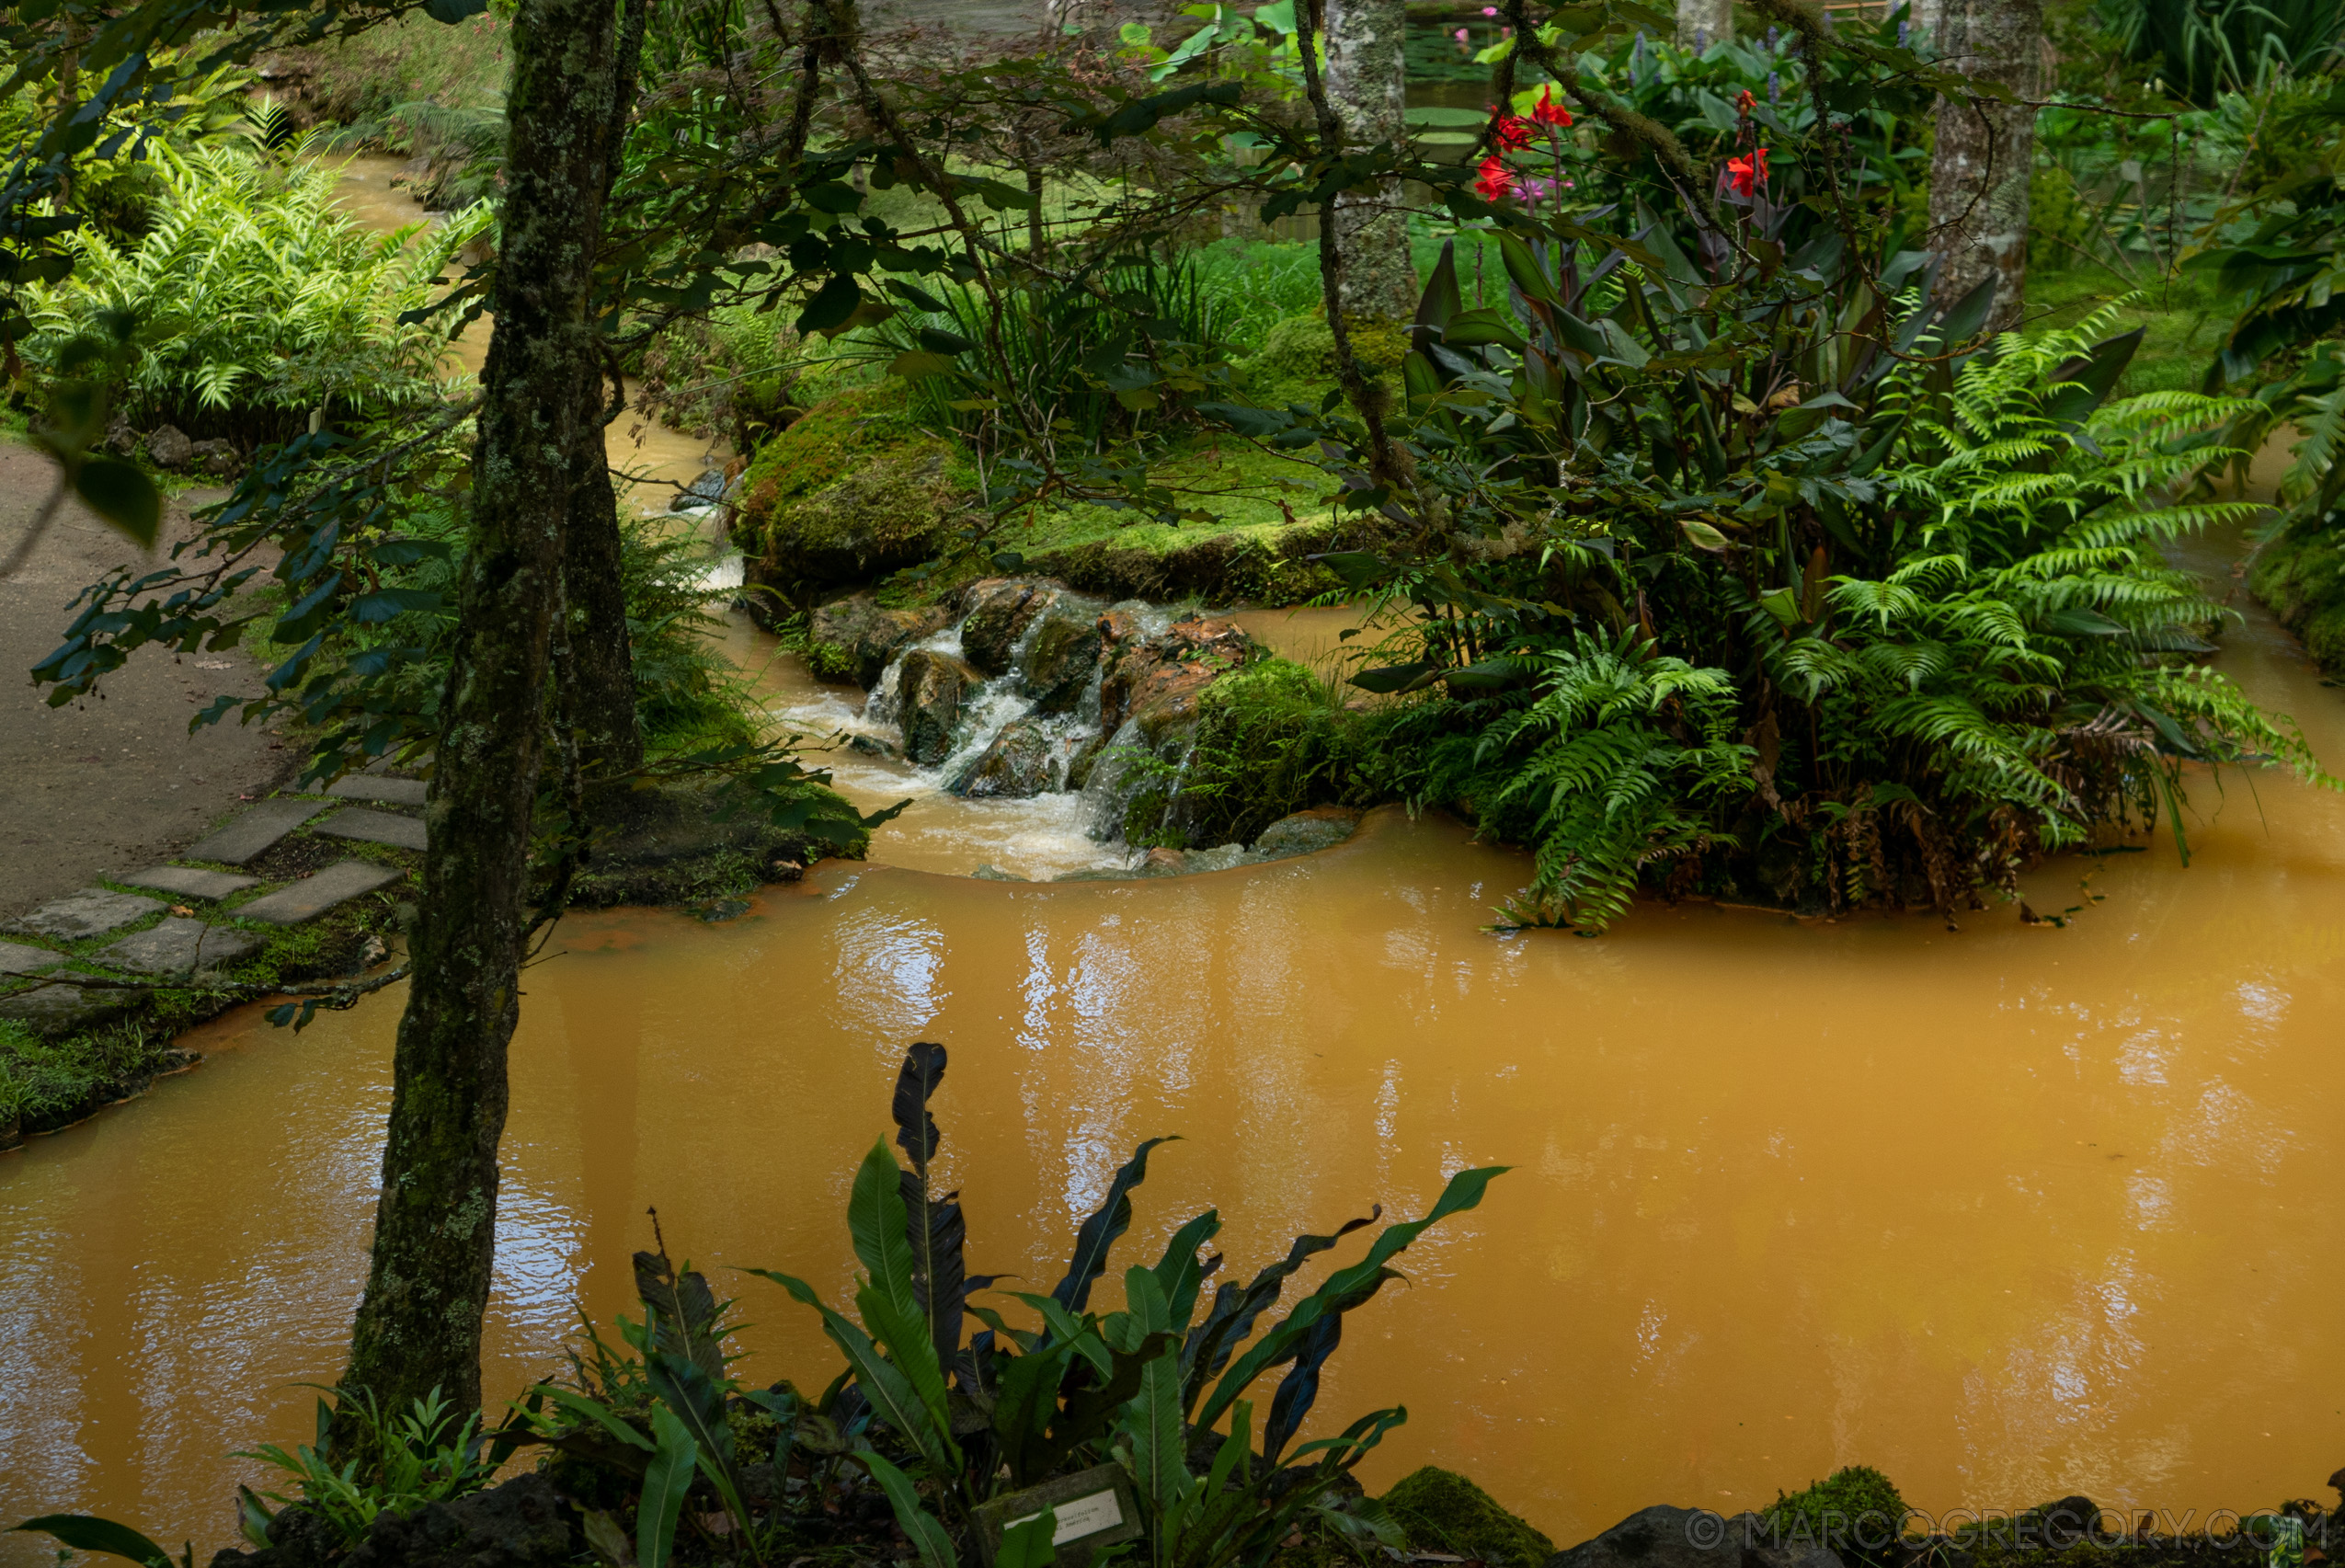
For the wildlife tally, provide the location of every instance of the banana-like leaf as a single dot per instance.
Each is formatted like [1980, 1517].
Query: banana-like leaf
[2084, 384]
[86, 1532]
[696, 1400]
[883, 1385]
[1098, 1233]
[890, 1302]
[673, 1462]
[928, 1536]
[1462, 1192]
[1237, 1308]
[1152, 1423]
[685, 1312]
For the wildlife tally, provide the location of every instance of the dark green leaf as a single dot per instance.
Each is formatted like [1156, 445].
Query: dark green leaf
[117, 492]
[84, 1532]
[831, 305]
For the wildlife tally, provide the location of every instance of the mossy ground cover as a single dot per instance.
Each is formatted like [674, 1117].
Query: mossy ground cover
[2184, 319]
[2301, 574]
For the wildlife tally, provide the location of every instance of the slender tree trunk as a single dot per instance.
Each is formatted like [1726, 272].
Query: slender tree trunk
[1701, 23]
[419, 1324]
[1367, 86]
[1978, 172]
[599, 698]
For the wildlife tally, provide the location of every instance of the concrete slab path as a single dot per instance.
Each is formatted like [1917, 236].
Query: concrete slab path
[256, 830]
[93, 911]
[178, 946]
[368, 826]
[189, 882]
[312, 896]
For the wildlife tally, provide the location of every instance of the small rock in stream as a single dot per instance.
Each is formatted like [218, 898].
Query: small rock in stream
[1307, 832]
[999, 610]
[929, 689]
[1016, 765]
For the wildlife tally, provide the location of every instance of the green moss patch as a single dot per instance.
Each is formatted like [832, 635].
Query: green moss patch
[1857, 1512]
[1444, 1512]
[2301, 574]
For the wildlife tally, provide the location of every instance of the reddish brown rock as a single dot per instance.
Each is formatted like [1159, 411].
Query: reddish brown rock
[1156, 679]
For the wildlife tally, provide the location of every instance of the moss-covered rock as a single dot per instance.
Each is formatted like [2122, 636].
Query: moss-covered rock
[2301, 574]
[998, 612]
[1856, 1511]
[688, 844]
[1444, 1512]
[1297, 360]
[1063, 657]
[850, 492]
[929, 689]
[854, 639]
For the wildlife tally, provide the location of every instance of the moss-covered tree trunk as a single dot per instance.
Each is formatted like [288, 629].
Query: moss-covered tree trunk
[599, 700]
[419, 1324]
[1368, 85]
[1978, 172]
[1701, 23]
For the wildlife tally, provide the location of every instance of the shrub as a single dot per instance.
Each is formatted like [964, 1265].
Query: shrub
[1271, 739]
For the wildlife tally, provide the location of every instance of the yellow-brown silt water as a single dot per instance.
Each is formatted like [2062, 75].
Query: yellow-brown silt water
[2011, 1212]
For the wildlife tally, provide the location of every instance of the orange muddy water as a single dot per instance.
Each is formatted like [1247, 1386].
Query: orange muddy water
[2009, 1212]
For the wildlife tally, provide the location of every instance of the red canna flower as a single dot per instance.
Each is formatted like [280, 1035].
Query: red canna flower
[1510, 132]
[1743, 174]
[1496, 180]
[1547, 111]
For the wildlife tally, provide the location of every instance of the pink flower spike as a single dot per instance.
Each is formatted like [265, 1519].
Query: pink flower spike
[1461, 35]
[1489, 10]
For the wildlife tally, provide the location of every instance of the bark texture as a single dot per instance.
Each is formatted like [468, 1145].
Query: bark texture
[1367, 86]
[1978, 172]
[1701, 23]
[418, 1325]
[598, 699]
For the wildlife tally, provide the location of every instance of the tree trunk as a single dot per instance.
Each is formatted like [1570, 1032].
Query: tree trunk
[1978, 173]
[1701, 23]
[1367, 86]
[599, 700]
[419, 1324]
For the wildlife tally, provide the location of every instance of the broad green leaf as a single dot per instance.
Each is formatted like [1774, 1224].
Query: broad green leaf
[831, 305]
[1027, 1543]
[928, 1536]
[594, 1410]
[124, 496]
[673, 1463]
[84, 1532]
[1701, 535]
[891, 1395]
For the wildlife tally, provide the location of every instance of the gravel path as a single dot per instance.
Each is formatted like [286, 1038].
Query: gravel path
[114, 783]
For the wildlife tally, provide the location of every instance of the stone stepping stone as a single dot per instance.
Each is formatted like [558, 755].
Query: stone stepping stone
[93, 911]
[16, 958]
[180, 946]
[61, 1009]
[389, 792]
[255, 832]
[312, 897]
[189, 882]
[375, 827]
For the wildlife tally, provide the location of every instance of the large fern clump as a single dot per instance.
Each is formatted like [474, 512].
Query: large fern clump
[2004, 665]
[255, 300]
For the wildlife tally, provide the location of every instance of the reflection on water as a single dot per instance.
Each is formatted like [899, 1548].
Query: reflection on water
[2011, 1212]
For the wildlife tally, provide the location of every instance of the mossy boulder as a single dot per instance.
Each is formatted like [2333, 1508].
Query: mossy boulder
[855, 638]
[849, 493]
[1297, 360]
[999, 610]
[1856, 1512]
[1442, 1512]
[1063, 657]
[2301, 574]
